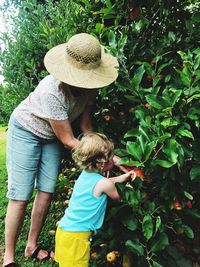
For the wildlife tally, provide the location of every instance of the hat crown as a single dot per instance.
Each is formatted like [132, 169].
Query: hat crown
[82, 62]
[83, 49]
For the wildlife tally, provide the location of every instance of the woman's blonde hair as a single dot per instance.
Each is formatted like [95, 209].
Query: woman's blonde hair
[92, 150]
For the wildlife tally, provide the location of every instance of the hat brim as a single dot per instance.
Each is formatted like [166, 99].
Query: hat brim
[103, 75]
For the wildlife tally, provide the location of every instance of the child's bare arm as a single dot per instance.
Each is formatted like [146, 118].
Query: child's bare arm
[108, 187]
[111, 190]
[131, 175]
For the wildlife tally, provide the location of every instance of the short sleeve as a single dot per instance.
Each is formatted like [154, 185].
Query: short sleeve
[53, 108]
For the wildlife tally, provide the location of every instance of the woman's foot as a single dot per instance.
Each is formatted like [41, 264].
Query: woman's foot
[38, 253]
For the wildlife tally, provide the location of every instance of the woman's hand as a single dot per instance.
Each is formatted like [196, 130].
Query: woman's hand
[64, 133]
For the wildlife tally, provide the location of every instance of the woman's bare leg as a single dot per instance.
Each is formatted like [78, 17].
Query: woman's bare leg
[38, 216]
[14, 220]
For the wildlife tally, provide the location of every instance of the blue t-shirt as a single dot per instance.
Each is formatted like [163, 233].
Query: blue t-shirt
[85, 211]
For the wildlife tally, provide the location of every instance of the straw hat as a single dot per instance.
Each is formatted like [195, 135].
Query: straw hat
[82, 62]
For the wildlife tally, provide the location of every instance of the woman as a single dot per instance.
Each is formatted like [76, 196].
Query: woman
[41, 123]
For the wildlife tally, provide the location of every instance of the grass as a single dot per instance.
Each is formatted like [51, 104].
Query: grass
[3, 175]
[46, 240]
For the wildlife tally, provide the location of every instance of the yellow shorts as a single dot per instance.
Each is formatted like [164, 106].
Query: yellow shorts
[72, 248]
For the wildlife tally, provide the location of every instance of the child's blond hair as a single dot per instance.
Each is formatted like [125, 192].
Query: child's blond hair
[92, 150]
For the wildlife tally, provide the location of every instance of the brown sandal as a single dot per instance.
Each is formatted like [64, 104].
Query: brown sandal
[12, 264]
[36, 252]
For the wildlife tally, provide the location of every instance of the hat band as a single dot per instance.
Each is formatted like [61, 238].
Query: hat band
[82, 62]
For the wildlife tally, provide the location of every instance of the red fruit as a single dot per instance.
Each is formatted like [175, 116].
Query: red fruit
[107, 117]
[134, 13]
[149, 78]
[180, 248]
[121, 113]
[145, 197]
[188, 204]
[139, 173]
[177, 205]
[93, 255]
[152, 62]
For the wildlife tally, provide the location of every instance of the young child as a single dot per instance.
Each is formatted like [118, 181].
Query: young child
[86, 210]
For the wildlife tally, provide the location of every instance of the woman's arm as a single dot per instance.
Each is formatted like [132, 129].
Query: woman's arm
[86, 120]
[63, 131]
[116, 160]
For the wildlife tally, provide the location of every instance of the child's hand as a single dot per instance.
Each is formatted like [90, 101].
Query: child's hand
[106, 174]
[132, 175]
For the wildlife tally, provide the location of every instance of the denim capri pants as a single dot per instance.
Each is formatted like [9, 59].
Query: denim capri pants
[32, 162]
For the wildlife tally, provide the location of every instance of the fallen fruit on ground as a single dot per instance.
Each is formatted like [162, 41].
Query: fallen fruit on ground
[112, 256]
[52, 232]
[93, 255]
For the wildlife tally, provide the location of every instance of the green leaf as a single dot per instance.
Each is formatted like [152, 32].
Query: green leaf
[160, 243]
[188, 231]
[169, 122]
[143, 132]
[170, 149]
[158, 223]
[188, 195]
[112, 39]
[178, 258]
[195, 173]
[168, 78]
[128, 161]
[176, 94]
[183, 262]
[195, 96]
[148, 150]
[163, 66]
[130, 223]
[138, 76]
[140, 115]
[108, 4]
[193, 212]
[147, 226]
[131, 133]
[156, 264]
[134, 150]
[141, 141]
[155, 101]
[185, 77]
[164, 163]
[120, 152]
[162, 138]
[135, 247]
[185, 132]
[113, 211]
[171, 36]
[197, 62]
